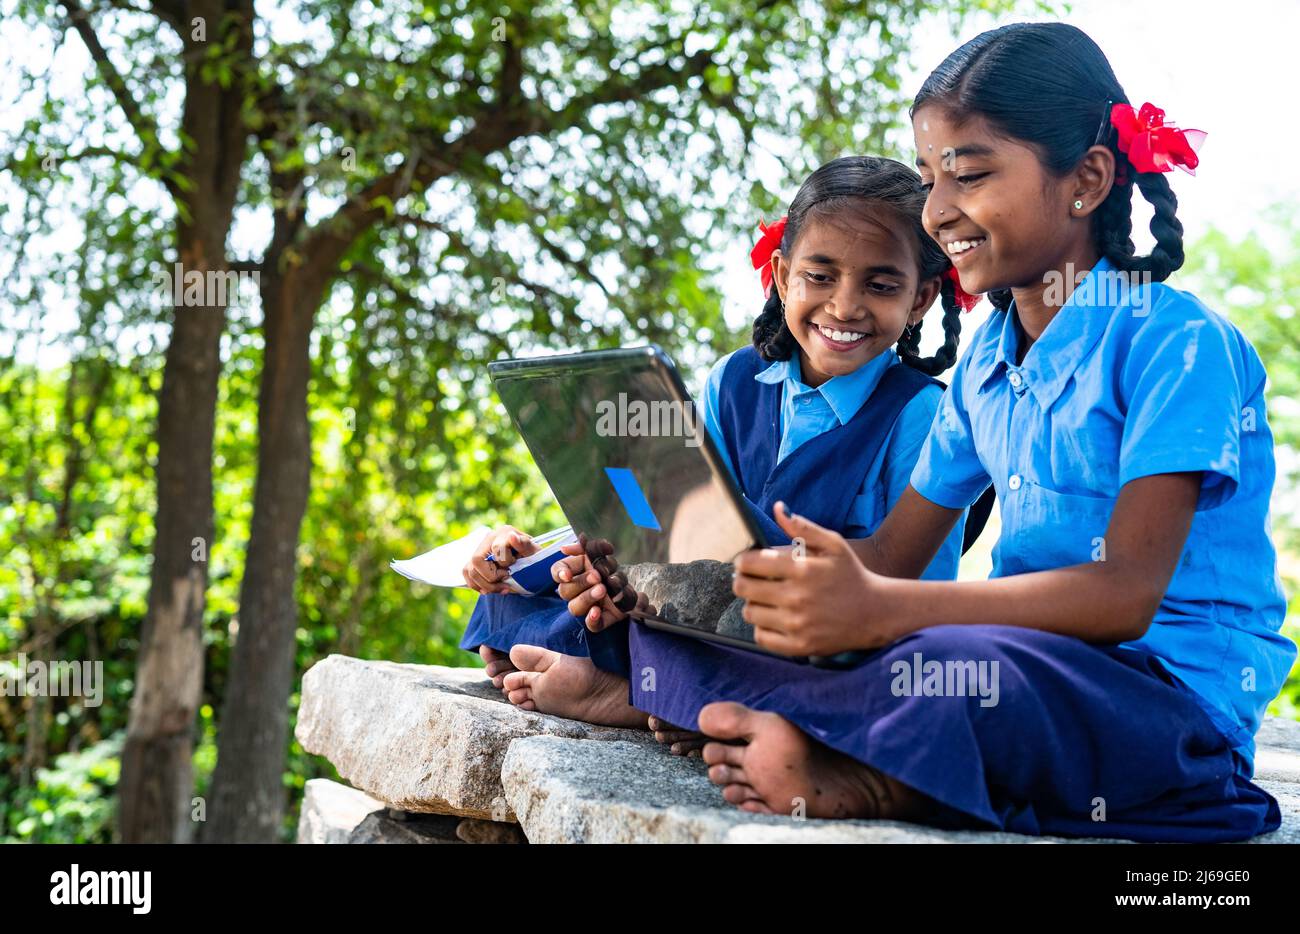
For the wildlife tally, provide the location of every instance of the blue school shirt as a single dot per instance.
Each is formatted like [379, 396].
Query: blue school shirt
[807, 413]
[1125, 382]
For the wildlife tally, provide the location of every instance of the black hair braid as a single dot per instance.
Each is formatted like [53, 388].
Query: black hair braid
[1167, 256]
[909, 344]
[772, 339]
[1113, 223]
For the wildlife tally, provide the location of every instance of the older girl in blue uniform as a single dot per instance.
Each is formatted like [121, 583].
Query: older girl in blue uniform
[820, 410]
[1134, 609]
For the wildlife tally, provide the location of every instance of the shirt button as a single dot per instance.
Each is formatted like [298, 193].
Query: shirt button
[1015, 379]
[1014, 481]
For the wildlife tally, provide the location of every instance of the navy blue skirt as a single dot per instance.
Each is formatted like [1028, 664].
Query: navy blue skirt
[502, 621]
[1004, 728]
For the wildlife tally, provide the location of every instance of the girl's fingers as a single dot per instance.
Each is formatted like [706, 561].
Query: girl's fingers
[759, 590]
[476, 580]
[765, 562]
[626, 599]
[775, 640]
[815, 537]
[522, 543]
[567, 569]
[590, 599]
[501, 551]
[766, 617]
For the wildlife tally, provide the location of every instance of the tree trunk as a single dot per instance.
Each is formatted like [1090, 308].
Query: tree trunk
[157, 781]
[157, 777]
[248, 798]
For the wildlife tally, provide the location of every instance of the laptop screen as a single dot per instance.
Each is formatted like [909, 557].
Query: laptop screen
[626, 455]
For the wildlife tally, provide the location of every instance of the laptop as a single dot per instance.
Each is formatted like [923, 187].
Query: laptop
[621, 443]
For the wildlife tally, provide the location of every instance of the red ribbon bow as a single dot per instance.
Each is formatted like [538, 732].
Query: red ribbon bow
[1151, 144]
[761, 254]
[966, 300]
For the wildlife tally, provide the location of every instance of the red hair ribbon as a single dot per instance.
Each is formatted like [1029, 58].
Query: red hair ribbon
[761, 254]
[1151, 144]
[964, 298]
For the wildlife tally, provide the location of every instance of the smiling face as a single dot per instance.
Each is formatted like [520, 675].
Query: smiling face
[850, 286]
[1001, 217]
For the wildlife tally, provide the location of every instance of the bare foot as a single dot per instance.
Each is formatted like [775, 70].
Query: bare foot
[679, 742]
[566, 686]
[498, 665]
[775, 767]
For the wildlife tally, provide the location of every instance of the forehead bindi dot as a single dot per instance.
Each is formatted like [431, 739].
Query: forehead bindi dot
[929, 147]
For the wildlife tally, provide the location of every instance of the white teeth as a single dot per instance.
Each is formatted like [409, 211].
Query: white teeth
[846, 337]
[961, 246]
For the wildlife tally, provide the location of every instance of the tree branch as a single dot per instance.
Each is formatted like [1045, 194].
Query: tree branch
[171, 12]
[143, 126]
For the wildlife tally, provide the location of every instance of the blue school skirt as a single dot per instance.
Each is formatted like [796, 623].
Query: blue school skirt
[502, 621]
[1059, 737]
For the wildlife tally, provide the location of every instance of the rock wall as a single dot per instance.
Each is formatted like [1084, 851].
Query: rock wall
[437, 755]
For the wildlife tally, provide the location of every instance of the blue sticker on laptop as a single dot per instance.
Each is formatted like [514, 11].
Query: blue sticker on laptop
[634, 501]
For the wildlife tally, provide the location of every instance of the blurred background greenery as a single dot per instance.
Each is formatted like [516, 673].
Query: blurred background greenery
[599, 236]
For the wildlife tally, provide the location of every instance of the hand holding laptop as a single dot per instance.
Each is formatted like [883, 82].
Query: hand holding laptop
[598, 593]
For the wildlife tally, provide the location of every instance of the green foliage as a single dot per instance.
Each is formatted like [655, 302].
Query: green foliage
[1255, 280]
[596, 221]
[69, 803]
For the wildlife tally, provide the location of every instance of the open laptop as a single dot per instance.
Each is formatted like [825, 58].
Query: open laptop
[621, 443]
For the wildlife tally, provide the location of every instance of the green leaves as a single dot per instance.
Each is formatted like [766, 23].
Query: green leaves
[535, 176]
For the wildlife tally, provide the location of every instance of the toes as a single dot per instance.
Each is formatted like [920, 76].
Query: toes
[724, 754]
[520, 696]
[727, 720]
[532, 657]
[726, 775]
[738, 793]
[517, 680]
[499, 669]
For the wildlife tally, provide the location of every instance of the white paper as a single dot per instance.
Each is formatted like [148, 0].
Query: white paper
[444, 566]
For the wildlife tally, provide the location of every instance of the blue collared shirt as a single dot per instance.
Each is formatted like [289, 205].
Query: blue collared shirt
[807, 413]
[1125, 382]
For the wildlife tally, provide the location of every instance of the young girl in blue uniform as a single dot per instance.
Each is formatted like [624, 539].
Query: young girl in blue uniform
[821, 410]
[1129, 633]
